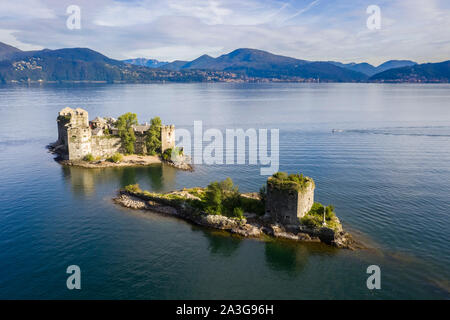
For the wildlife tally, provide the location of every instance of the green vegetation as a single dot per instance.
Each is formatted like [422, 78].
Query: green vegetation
[219, 198]
[65, 118]
[292, 182]
[89, 157]
[133, 188]
[253, 205]
[116, 157]
[263, 194]
[124, 125]
[224, 198]
[167, 154]
[238, 212]
[314, 218]
[153, 139]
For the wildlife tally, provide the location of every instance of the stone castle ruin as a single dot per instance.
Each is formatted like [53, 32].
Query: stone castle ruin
[79, 137]
[289, 199]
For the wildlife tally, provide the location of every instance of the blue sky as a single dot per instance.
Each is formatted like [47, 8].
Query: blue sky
[174, 29]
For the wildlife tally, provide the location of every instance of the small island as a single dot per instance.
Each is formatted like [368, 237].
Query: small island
[284, 208]
[107, 142]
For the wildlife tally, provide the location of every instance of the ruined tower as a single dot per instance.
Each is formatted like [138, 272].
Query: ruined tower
[289, 198]
[74, 133]
[167, 137]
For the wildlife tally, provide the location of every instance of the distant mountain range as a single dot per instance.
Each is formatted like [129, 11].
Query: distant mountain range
[241, 65]
[426, 72]
[261, 64]
[151, 63]
[371, 70]
[7, 50]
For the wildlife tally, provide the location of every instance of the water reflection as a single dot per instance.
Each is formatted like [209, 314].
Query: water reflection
[222, 243]
[84, 182]
[292, 257]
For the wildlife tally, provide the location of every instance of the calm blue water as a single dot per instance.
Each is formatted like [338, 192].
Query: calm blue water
[387, 173]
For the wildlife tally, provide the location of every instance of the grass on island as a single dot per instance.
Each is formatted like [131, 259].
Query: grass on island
[224, 198]
[219, 198]
[285, 182]
[89, 158]
[116, 158]
[314, 218]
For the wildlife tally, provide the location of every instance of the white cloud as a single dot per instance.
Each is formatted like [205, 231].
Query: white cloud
[174, 29]
[123, 15]
[25, 9]
[7, 36]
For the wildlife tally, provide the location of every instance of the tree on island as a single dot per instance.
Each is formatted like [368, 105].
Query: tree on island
[153, 140]
[125, 125]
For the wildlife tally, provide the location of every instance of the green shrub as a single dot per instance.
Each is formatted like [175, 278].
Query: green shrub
[316, 209]
[222, 197]
[213, 198]
[314, 218]
[167, 155]
[238, 212]
[133, 188]
[230, 201]
[280, 175]
[125, 125]
[89, 157]
[253, 205]
[116, 157]
[153, 139]
[294, 182]
[227, 185]
[263, 194]
[329, 212]
[311, 221]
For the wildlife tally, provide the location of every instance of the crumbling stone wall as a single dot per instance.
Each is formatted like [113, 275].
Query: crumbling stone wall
[287, 206]
[305, 200]
[140, 146]
[79, 142]
[167, 137]
[105, 146]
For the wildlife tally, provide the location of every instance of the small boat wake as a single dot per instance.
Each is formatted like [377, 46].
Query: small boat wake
[425, 131]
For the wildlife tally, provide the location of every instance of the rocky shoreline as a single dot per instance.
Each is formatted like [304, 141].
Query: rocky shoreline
[132, 160]
[252, 226]
[129, 163]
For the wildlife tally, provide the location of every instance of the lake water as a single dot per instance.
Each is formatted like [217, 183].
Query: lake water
[387, 173]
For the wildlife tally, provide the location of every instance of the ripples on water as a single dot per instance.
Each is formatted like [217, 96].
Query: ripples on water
[387, 172]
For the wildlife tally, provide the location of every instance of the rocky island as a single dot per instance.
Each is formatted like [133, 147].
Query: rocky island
[107, 142]
[284, 208]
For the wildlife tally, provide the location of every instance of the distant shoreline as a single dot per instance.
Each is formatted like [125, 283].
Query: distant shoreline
[256, 81]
